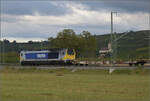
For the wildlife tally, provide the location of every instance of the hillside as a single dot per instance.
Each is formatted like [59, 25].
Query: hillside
[132, 45]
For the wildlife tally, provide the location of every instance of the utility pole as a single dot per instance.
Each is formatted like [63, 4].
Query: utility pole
[113, 42]
[149, 32]
[1, 42]
[0, 37]
[3, 51]
[0, 48]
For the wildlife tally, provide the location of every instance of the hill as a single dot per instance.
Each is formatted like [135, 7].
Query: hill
[131, 45]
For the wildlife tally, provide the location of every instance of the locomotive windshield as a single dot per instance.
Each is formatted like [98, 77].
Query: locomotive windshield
[70, 52]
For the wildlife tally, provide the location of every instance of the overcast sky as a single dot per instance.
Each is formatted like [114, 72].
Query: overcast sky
[38, 20]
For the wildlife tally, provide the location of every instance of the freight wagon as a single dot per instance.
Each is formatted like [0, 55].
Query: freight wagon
[137, 63]
[48, 57]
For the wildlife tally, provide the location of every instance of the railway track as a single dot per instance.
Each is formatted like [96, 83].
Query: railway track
[71, 67]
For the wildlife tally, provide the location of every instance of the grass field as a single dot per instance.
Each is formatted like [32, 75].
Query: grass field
[82, 85]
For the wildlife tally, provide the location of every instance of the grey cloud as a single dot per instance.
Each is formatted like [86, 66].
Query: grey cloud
[47, 7]
[30, 7]
[10, 19]
[44, 30]
[28, 35]
[130, 6]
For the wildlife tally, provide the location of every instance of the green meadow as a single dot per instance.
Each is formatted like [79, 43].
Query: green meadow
[81, 85]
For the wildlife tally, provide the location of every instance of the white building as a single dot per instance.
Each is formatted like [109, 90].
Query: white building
[105, 50]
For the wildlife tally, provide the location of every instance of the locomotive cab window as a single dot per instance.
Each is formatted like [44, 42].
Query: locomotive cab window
[70, 52]
[63, 53]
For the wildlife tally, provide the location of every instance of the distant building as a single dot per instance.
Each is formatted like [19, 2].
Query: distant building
[105, 50]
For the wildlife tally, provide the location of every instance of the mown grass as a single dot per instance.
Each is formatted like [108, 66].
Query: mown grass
[83, 85]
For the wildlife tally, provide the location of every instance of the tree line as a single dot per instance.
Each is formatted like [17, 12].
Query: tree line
[84, 43]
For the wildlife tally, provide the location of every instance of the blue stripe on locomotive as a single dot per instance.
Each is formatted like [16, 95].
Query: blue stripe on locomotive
[36, 55]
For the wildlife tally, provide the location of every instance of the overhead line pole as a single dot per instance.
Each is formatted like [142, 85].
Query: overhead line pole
[0, 48]
[112, 53]
[149, 32]
[112, 39]
[111, 34]
[0, 37]
[3, 49]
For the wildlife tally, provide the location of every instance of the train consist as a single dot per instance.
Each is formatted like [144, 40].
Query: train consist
[61, 56]
[137, 63]
[48, 57]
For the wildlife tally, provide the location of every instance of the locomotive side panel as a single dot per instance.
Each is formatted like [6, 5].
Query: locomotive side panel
[47, 57]
[29, 56]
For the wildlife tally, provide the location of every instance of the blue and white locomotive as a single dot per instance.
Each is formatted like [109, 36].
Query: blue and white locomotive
[47, 57]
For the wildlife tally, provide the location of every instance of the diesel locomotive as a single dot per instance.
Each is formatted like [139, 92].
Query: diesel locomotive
[48, 57]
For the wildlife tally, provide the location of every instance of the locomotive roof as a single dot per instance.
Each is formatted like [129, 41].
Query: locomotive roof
[56, 49]
[50, 49]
